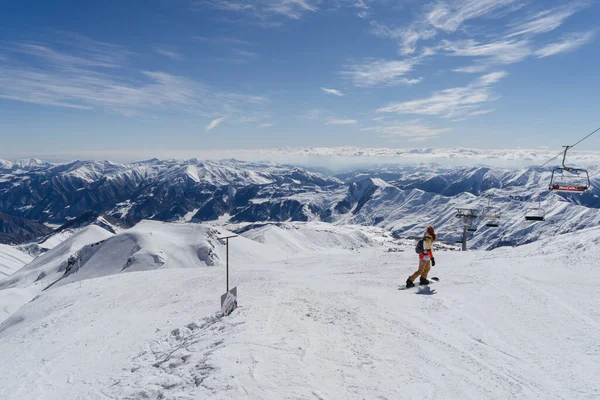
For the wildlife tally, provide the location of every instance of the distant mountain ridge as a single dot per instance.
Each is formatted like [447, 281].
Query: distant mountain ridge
[402, 199]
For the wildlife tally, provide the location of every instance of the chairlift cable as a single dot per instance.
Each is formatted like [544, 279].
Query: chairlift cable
[570, 147]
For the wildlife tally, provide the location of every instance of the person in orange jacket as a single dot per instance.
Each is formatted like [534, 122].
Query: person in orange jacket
[426, 259]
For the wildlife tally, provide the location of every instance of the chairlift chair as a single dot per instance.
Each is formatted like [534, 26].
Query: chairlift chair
[536, 214]
[492, 215]
[568, 179]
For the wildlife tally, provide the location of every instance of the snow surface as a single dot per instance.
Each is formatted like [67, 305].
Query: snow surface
[296, 237]
[24, 284]
[12, 259]
[56, 239]
[518, 322]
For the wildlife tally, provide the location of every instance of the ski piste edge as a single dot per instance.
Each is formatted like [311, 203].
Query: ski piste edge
[431, 280]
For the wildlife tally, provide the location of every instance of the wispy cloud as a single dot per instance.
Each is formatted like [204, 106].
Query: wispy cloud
[95, 55]
[547, 20]
[335, 121]
[266, 125]
[410, 129]
[370, 72]
[407, 37]
[332, 91]
[271, 12]
[569, 43]
[264, 9]
[499, 52]
[214, 123]
[41, 74]
[450, 15]
[472, 69]
[451, 103]
[168, 53]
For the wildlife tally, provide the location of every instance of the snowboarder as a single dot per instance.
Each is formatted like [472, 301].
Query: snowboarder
[426, 259]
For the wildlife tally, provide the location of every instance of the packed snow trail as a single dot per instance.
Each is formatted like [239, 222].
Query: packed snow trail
[511, 323]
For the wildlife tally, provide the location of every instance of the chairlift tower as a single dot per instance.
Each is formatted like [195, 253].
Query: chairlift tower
[468, 217]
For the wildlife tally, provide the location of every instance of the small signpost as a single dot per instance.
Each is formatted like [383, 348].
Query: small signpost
[229, 299]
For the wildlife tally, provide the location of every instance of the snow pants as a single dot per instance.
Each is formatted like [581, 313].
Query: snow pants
[424, 267]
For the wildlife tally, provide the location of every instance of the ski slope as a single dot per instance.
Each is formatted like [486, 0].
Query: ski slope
[517, 322]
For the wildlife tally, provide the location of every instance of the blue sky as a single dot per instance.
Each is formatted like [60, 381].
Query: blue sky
[167, 75]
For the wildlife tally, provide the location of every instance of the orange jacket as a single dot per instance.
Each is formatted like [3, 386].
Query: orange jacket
[427, 245]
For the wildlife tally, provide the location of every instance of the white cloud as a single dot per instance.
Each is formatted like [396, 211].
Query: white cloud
[450, 15]
[481, 112]
[332, 91]
[87, 79]
[266, 125]
[546, 21]
[214, 123]
[409, 129]
[335, 121]
[406, 37]
[264, 9]
[500, 52]
[451, 103]
[93, 55]
[168, 53]
[570, 43]
[269, 12]
[472, 69]
[369, 73]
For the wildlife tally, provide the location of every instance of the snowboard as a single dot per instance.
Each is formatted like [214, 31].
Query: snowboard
[431, 281]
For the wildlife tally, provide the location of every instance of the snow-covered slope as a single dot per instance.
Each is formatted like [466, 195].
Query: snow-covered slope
[12, 259]
[159, 245]
[94, 252]
[509, 323]
[51, 265]
[26, 283]
[317, 237]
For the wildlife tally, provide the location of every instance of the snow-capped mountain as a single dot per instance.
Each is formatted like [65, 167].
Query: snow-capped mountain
[403, 199]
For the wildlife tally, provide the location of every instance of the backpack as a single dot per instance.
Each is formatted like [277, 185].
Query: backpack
[419, 248]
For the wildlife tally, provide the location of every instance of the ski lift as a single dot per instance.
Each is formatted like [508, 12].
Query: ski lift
[492, 215]
[568, 179]
[536, 213]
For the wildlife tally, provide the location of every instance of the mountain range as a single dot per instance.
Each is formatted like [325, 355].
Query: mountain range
[38, 198]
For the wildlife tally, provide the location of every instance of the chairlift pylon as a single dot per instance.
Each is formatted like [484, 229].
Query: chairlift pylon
[569, 179]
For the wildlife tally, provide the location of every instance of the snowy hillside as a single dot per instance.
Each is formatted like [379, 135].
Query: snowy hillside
[12, 259]
[316, 237]
[509, 323]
